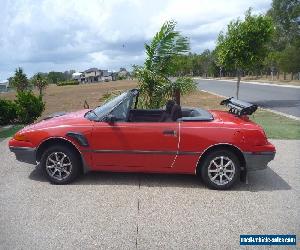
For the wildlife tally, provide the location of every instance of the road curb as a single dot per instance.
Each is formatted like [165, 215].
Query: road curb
[255, 83]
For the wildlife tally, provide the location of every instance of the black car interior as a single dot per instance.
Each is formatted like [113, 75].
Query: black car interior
[167, 114]
[172, 112]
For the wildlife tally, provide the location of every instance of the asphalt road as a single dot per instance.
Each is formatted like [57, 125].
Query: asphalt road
[282, 99]
[132, 211]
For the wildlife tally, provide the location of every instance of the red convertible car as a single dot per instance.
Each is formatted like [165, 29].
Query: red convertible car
[218, 146]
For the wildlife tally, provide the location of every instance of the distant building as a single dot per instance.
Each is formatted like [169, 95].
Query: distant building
[77, 76]
[4, 86]
[93, 75]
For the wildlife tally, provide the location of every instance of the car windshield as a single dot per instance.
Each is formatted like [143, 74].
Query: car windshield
[104, 109]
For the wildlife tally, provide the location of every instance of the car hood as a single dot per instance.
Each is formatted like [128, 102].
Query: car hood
[60, 119]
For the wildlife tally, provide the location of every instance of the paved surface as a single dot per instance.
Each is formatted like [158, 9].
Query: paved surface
[282, 99]
[132, 211]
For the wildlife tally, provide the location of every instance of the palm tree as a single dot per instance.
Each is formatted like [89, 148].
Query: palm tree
[20, 81]
[40, 81]
[154, 77]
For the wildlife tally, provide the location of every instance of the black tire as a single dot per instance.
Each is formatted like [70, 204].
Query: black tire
[217, 177]
[69, 155]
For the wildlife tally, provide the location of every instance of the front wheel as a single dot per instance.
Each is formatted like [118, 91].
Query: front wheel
[220, 169]
[60, 164]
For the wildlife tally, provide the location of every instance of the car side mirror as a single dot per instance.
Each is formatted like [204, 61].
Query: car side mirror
[110, 118]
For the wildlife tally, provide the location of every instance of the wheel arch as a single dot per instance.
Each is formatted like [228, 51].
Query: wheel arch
[60, 141]
[225, 146]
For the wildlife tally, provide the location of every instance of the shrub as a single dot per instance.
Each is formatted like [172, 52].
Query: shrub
[109, 95]
[8, 111]
[29, 107]
[121, 77]
[68, 82]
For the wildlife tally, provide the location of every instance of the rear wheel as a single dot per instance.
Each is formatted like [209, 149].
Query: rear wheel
[60, 164]
[220, 169]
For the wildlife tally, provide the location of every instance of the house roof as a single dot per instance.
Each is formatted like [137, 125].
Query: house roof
[4, 83]
[91, 70]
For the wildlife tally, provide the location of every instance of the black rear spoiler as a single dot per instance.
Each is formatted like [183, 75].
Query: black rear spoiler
[238, 107]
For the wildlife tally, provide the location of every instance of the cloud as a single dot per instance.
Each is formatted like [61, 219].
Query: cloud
[44, 35]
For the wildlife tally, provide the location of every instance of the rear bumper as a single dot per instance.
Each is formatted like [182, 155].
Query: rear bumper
[259, 160]
[24, 154]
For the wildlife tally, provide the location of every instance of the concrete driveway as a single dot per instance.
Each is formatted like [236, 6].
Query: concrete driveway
[279, 98]
[137, 211]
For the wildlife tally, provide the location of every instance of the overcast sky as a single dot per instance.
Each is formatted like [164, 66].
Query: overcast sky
[47, 35]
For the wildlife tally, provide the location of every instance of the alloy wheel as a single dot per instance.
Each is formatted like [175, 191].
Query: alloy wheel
[58, 166]
[221, 170]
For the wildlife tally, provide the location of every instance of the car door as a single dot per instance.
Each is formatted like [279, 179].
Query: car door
[134, 146]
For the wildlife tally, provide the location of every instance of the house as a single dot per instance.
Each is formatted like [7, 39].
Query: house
[4, 86]
[92, 75]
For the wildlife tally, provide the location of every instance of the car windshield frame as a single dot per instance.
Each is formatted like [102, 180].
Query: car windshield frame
[100, 112]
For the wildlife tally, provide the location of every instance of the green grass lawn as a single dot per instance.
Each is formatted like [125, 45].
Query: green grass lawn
[277, 126]
[5, 133]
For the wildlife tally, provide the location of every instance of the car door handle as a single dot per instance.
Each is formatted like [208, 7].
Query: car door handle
[170, 132]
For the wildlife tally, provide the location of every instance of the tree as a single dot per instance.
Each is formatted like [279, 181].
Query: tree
[285, 43]
[289, 60]
[271, 62]
[197, 66]
[182, 86]
[183, 65]
[285, 15]
[55, 77]
[208, 62]
[68, 74]
[10, 81]
[244, 44]
[41, 82]
[20, 81]
[153, 77]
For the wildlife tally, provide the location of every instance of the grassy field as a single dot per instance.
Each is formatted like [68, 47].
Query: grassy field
[5, 133]
[277, 126]
[71, 98]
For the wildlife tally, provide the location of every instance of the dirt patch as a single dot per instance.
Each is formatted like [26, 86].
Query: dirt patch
[71, 98]
[203, 100]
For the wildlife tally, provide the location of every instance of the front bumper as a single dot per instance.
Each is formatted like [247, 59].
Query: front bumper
[24, 154]
[258, 161]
